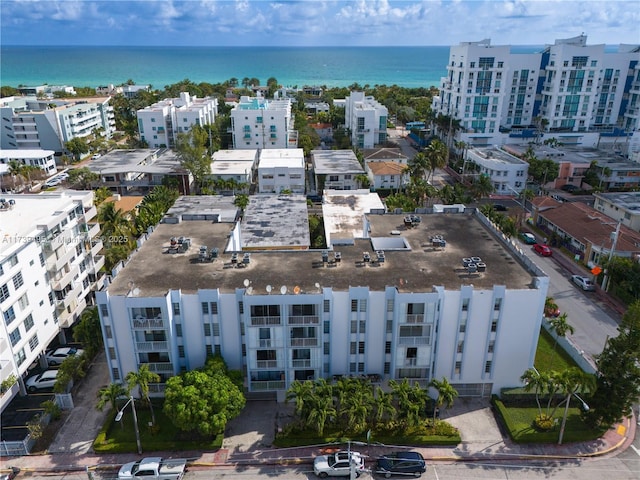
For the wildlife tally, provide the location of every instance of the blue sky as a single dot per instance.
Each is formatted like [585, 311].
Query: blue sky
[315, 22]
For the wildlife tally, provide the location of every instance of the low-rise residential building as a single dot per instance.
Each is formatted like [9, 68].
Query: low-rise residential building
[235, 167]
[280, 312]
[387, 175]
[138, 171]
[160, 124]
[384, 155]
[366, 119]
[324, 131]
[622, 207]
[30, 123]
[507, 172]
[588, 233]
[43, 159]
[280, 170]
[335, 169]
[259, 123]
[49, 269]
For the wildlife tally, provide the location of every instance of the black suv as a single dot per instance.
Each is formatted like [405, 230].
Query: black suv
[401, 463]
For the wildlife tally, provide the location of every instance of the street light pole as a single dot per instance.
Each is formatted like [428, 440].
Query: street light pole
[566, 412]
[135, 421]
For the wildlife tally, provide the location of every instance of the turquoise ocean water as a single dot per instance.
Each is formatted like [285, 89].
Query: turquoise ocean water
[160, 66]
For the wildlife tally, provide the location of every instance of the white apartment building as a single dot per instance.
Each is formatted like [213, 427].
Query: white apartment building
[290, 313]
[366, 119]
[335, 170]
[29, 123]
[49, 269]
[258, 123]
[236, 165]
[281, 169]
[160, 124]
[43, 159]
[578, 89]
[632, 113]
[623, 207]
[507, 172]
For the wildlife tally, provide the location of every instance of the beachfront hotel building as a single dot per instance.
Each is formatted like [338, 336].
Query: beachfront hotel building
[31, 123]
[160, 124]
[366, 120]
[259, 123]
[582, 92]
[385, 299]
[49, 269]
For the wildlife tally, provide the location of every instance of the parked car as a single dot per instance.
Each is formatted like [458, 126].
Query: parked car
[542, 249]
[154, 468]
[583, 282]
[46, 379]
[569, 188]
[498, 207]
[95, 156]
[53, 182]
[9, 473]
[401, 463]
[528, 238]
[59, 355]
[338, 464]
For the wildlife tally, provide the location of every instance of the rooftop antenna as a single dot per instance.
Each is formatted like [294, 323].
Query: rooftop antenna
[283, 289]
[318, 286]
[269, 288]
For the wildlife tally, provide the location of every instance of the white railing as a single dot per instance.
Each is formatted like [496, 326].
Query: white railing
[148, 323]
[301, 363]
[266, 363]
[414, 340]
[303, 319]
[267, 385]
[265, 321]
[415, 318]
[162, 367]
[304, 342]
[152, 346]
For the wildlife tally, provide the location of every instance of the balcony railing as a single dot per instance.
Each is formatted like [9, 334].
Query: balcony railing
[266, 363]
[161, 367]
[148, 323]
[255, 321]
[410, 362]
[414, 340]
[306, 363]
[415, 318]
[152, 346]
[304, 342]
[257, 385]
[303, 319]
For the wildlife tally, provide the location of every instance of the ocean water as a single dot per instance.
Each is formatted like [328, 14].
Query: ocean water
[160, 66]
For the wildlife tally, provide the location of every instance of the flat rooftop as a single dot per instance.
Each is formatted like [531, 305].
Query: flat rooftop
[343, 212]
[496, 155]
[327, 162]
[627, 200]
[249, 155]
[154, 271]
[281, 157]
[160, 161]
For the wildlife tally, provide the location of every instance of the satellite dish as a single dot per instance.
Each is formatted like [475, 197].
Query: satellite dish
[246, 282]
[296, 289]
[136, 292]
[269, 288]
[249, 290]
[318, 286]
[283, 289]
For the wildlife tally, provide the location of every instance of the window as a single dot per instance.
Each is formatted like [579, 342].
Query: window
[352, 348]
[9, 316]
[327, 348]
[28, 323]
[387, 347]
[33, 342]
[181, 351]
[360, 347]
[178, 329]
[207, 330]
[4, 293]
[327, 306]
[176, 308]
[465, 305]
[23, 301]
[497, 303]
[15, 337]
[18, 281]
[327, 327]
[107, 331]
[205, 308]
[460, 346]
[354, 305]
[216, 329]
[112, 353]
[354, 326]
[209, 350]
[494, 326]
[491, 347]
[214, 308]
[387, 368]
[115, 373]
[487, 367]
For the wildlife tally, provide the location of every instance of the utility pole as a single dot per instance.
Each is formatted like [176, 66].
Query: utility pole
[614, 241]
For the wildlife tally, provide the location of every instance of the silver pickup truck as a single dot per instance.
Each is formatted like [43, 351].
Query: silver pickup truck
[154, 468]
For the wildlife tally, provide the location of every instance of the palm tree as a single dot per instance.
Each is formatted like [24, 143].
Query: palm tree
[419, 166]
[446, 394]
[142, 379]
[437, 156]
[382, 406]
[573, 381]
[16, 170]
[537, 381]
[482, 187]
[560, 327]
[113, 221]
[488, 211]
[320, 411]
[110, 394]
[363, 180]
[302, 393]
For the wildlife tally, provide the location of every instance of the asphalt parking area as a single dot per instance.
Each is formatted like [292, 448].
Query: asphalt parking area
[19, 412]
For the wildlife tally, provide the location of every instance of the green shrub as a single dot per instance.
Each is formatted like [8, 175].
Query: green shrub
[52, 409]
[544, 422]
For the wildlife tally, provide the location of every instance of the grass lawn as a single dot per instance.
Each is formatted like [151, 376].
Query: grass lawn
[519, 420]
[120, 437]
[546, 359]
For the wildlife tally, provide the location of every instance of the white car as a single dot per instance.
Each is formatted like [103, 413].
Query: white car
[59, 355]
[46, 379]
[53, 182]
[338, 464]
[95, 156]
[583, 282]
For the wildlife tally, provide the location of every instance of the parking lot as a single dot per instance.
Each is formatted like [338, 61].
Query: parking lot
[20, 411]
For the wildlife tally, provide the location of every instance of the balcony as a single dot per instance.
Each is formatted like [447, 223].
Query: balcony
[301, 363]
[304, 342]
[256, 385]
[90, 229]
[161, 367]
[148, 323]
[96, 246]
[90, 212]
[415, 318]
[304, 319]
[98, 263]
[152, 346]
[266, 363]
[414, 341]
[410, 362]
[61, 279]
[258, 321]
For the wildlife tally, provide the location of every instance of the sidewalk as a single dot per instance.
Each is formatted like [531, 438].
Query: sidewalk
[248, 442]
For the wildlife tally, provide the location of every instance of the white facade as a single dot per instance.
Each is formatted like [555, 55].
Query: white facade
[366, 119]
[578, 90]
[159, 124]
[43, 159]
[623, 207]
[32, 124]
[258, 123]
[48, 272]
[236, 165]
[281, 169]
[336, 169]
[387, 175]
[507, 172]
[288, 315]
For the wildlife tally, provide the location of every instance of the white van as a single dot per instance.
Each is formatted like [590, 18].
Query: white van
[46, 379]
